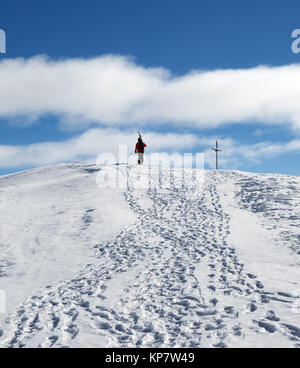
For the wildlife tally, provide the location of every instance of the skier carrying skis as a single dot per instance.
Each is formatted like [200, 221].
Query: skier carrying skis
[139, 149]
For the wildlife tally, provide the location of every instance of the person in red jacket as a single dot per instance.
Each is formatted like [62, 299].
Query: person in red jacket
[139, 149]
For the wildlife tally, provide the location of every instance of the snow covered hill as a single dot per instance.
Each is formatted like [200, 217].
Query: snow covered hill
[212, 265]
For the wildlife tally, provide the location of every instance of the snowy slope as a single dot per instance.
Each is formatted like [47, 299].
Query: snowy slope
[51, 218]
[212, 265]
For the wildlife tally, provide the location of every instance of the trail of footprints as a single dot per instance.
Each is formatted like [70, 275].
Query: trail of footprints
[165, 303]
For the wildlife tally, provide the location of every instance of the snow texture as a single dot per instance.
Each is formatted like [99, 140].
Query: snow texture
[212, 264]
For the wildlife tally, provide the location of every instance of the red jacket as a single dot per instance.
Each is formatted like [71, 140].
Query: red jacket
[137, 149]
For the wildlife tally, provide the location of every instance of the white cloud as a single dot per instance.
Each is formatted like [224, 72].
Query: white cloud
[87, 146]
[113, 90]
[235, 155]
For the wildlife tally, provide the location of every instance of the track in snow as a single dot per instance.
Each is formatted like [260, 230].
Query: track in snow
[170, 280]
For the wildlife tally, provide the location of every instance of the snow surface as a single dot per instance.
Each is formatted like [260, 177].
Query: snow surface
[212, 264]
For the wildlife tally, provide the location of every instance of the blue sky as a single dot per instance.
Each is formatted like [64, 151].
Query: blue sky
[178, 36]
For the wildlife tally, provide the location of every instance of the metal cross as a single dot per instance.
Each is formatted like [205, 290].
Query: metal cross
[217, 150]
